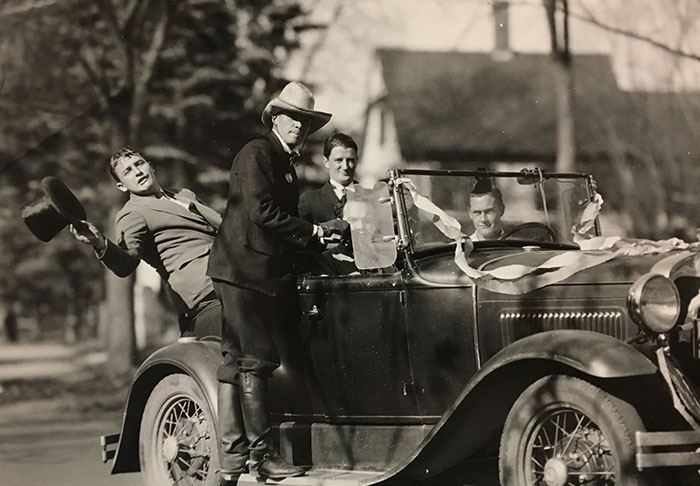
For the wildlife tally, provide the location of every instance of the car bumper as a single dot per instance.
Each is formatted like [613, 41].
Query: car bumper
[108, 446]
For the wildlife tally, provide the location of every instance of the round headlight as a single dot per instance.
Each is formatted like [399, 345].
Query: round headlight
[654, 303]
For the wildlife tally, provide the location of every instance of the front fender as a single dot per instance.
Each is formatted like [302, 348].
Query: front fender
[475, 419]
[198, 359]
[590, 352]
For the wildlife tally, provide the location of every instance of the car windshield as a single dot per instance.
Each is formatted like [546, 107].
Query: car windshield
[530, 206]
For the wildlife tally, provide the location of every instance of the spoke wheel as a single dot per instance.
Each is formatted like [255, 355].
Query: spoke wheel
[178, 443]
[563, 431]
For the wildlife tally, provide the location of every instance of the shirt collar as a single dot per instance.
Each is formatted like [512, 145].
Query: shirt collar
[338, 188]
[286, 146]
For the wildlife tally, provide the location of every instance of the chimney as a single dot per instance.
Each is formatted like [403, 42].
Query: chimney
[501, 30]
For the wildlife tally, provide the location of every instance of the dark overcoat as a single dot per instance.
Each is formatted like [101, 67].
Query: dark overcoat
[261, 230]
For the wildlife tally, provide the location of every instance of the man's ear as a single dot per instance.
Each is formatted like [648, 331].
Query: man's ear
[325, 162]
[122, 187]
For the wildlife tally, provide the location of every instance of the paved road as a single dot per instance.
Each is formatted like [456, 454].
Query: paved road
[59, 453]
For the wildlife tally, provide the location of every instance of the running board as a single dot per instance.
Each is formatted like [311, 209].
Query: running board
[317, 477]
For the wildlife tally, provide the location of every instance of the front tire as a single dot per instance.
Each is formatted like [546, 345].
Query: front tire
[565, 431]
[177, 440]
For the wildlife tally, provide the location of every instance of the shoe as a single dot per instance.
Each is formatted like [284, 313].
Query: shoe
[273, 466]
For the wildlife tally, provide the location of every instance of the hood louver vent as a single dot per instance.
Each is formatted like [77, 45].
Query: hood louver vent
[516, 325]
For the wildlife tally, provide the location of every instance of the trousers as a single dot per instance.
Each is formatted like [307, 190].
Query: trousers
[250, 322]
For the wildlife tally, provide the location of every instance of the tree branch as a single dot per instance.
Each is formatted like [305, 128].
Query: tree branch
[109, 12]
[89, 64]
[591, 19]
[129, 13]
[150, 59]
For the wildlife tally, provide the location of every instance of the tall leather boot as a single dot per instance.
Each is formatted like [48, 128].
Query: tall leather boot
[233, 447]
[256, 413]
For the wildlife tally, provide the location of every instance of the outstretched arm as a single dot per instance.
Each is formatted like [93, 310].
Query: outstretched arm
[121, 259]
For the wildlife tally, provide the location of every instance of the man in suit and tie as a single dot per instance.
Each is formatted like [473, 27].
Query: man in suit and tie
[252, 265]
[326, 202]
[170, 230]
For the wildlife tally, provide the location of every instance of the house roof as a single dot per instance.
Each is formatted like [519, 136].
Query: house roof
[451, 105]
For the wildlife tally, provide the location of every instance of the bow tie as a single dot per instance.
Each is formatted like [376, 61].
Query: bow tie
[294, 158]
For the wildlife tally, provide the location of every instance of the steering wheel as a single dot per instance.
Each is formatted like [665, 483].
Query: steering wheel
[533, 225]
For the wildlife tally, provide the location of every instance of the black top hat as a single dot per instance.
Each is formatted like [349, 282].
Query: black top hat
[54, 211]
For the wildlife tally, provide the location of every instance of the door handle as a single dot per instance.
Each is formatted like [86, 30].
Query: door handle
[314, 313]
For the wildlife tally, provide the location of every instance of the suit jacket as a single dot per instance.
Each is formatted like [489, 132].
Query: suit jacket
[261, 229]
[169, 237]
[319, 205]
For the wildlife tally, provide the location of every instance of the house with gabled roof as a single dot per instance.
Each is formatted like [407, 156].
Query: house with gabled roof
[456, 109]
[465, 110]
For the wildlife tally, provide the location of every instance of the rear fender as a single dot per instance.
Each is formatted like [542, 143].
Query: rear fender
[198, 359]
[472, 425]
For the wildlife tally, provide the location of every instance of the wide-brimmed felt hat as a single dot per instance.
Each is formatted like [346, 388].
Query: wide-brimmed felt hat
[54, 211]
[295, 98]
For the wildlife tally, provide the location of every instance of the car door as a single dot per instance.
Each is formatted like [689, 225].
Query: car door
[442, 343]
[355, 339]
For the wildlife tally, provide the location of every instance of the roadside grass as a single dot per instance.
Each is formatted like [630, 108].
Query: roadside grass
[91, 391]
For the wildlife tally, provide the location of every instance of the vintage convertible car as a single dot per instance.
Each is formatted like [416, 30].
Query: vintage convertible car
[549, 356]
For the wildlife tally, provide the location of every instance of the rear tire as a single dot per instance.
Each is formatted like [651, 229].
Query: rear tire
[565, 431]
[177, 440]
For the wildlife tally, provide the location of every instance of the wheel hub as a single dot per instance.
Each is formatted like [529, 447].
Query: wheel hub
[555, 472]
[170, 448]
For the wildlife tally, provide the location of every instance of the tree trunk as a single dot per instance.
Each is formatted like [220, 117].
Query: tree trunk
[566, 141]
[557, 12]
[119, 328]
[121, 343]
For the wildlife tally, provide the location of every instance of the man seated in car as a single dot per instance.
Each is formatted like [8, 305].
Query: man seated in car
[486, 209]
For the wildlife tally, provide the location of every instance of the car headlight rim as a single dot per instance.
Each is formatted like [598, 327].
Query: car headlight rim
[654, 303]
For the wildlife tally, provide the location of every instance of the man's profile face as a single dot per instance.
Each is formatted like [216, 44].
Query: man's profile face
[291, 127]
[486, 212]
[136, 176]
[341, 163]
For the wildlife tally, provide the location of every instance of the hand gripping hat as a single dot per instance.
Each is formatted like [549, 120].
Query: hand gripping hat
[295, 98]
[54, 211]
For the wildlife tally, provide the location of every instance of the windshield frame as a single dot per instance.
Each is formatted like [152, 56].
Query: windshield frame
[528, 176]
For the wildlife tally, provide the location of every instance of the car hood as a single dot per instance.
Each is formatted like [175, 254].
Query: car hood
[442, 269]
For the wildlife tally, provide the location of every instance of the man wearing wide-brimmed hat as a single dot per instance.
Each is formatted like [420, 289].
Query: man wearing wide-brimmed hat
[251, 264]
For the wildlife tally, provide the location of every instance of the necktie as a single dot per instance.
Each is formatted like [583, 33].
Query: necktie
[294, 158]
[341, 204]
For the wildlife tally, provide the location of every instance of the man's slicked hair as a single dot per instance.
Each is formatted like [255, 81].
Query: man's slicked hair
[485, 187]
[118, 156]
[338, 139]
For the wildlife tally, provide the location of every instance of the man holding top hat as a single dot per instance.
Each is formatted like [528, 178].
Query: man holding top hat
[251, 264]
[172, 231]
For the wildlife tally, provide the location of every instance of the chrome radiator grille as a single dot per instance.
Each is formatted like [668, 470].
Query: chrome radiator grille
[515, 325]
